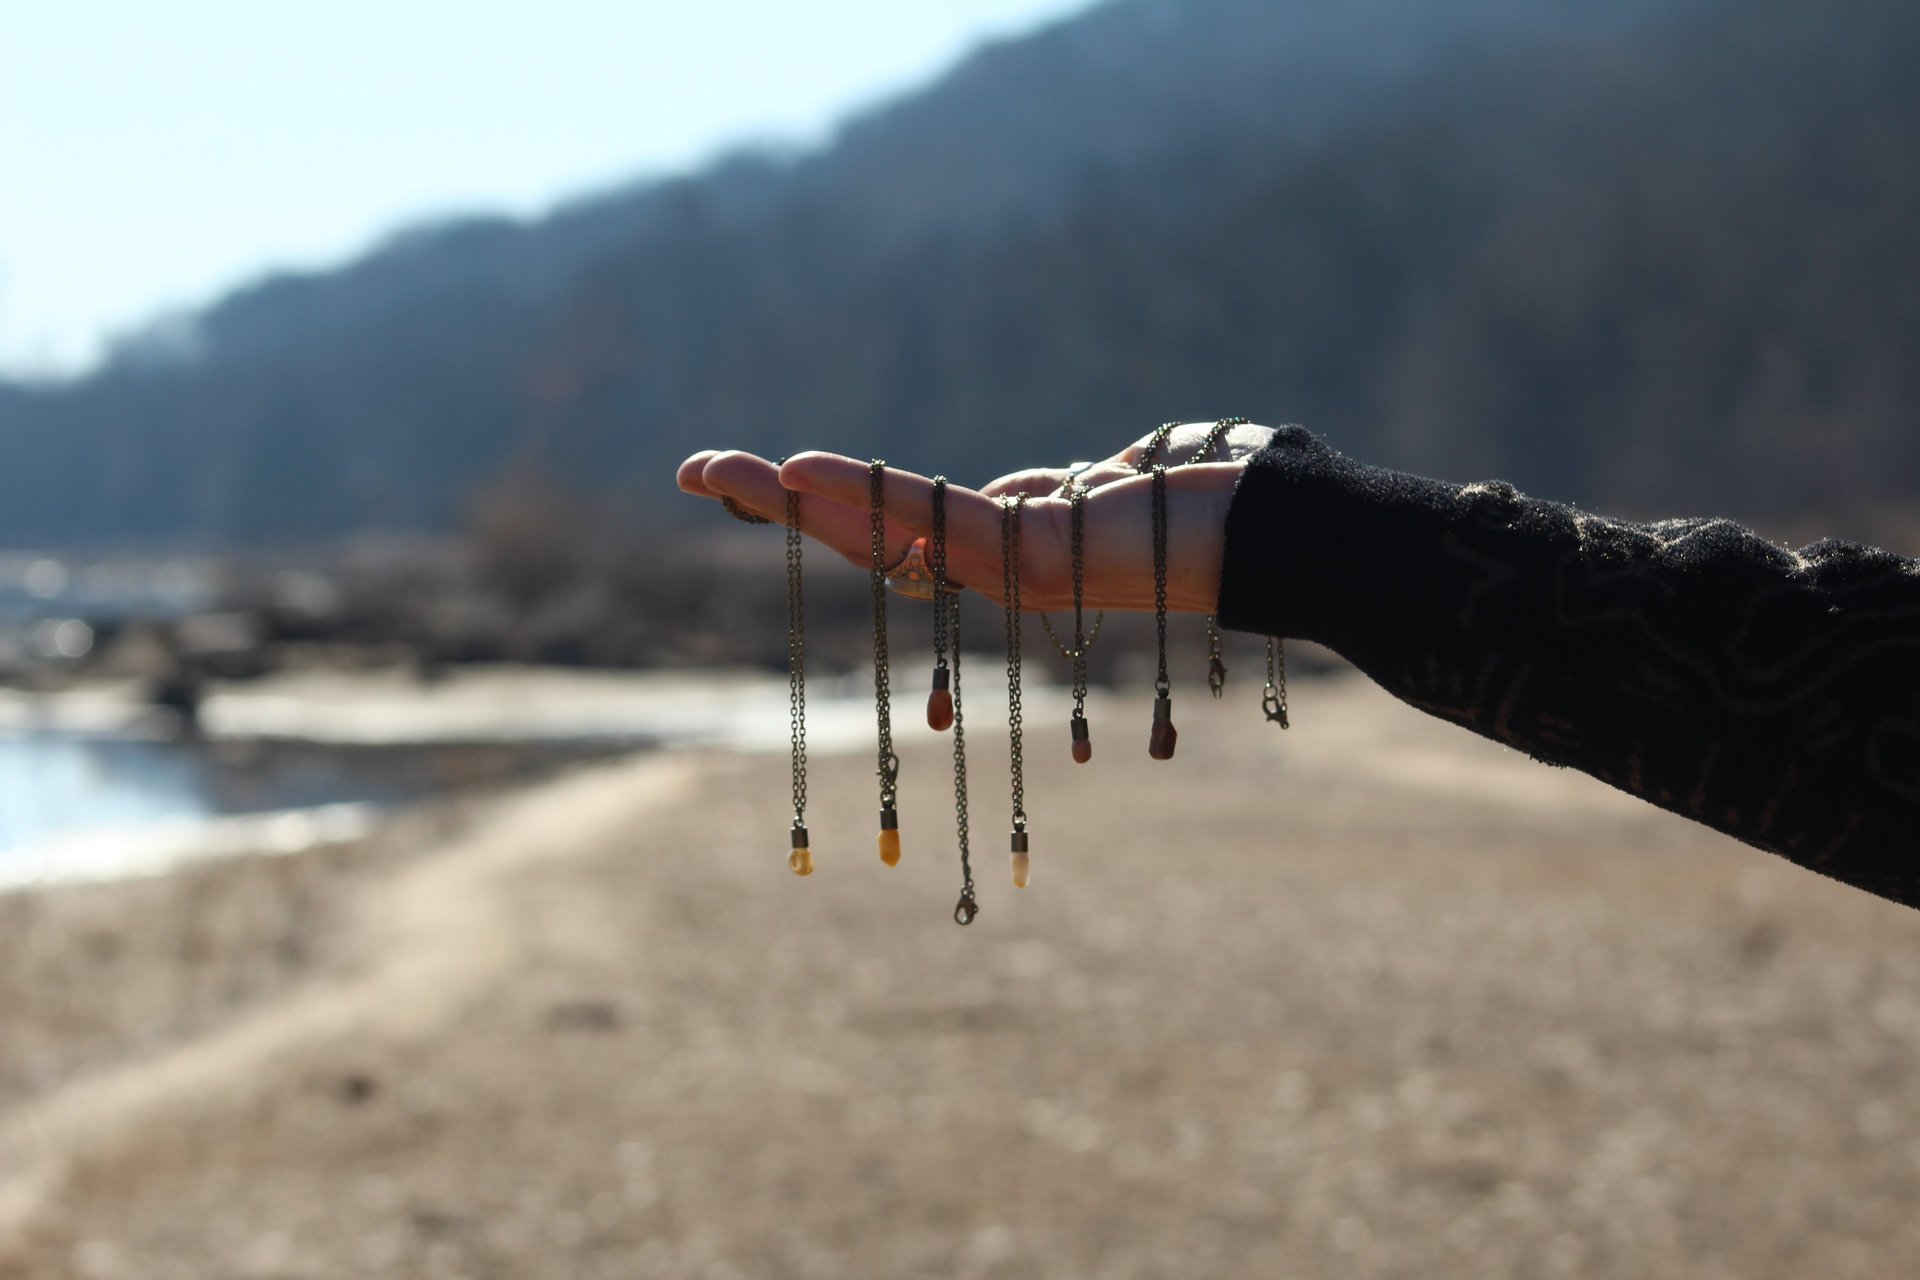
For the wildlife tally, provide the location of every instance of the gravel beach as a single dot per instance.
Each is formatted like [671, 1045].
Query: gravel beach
[1371, 998]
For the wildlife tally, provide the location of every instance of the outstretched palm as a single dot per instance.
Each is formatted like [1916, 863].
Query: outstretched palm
[836, 510]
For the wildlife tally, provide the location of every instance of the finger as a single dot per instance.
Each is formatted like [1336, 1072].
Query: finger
[974, 554]
[1104, 473]
[688, 477]
[1035, 482]
[754, 483]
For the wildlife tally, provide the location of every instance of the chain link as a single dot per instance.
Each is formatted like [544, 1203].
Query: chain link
[889, 764]
[1010, 584]
[1215, 435]
[1154, 443]
[796, 661]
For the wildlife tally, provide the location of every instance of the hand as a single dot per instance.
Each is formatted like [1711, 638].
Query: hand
[835, 510]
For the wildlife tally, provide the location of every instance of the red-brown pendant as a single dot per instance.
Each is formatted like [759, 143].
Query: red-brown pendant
[940, 702]
[1161, 743]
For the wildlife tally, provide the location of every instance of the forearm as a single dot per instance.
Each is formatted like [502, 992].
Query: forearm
[1772, 695]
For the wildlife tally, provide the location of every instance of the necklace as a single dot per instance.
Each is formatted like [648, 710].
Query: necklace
[1077, 726]
[801, 857]
[1161, 741]
[946, 630]
[889, 763]
[1010, 593]
[1273, 700]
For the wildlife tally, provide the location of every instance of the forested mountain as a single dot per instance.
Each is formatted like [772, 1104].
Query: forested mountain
[1649, 256]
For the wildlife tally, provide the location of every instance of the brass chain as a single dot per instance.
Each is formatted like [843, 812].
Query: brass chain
[1274, 700]
[1215, 435]
[1160, 682]
[1216, 661]
[796, 661]
[889, 764]
[1154, 442]
[1076, 502]
[1010, 593]
[1061, 646]
[965, 910]
[738, 512]
[937, 567]
[946, 631]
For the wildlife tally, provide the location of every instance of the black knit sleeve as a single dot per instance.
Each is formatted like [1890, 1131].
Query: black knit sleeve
[1771, 694]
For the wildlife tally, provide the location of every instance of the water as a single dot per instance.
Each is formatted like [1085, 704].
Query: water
[77, 806]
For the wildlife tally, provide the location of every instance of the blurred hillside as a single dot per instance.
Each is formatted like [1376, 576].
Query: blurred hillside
[1651, 257]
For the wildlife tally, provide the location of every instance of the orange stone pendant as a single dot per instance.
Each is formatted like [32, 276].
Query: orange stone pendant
[890, 837]
[1022, 865]
[1161, 742]
[800, 860]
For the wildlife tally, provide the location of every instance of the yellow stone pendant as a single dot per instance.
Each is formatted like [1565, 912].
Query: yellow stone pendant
[890, 836]
[801, 860]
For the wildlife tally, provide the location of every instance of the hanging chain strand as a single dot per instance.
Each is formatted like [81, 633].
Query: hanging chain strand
[1216, 662]
[1010, 582]
[1160, 682]
[1160, 742]
[1010, 585]
[966, 910]
[889, 763]
[946, 631]
[1077, 500]
[1274, 700]
[1078, 731]
[796, 660]
[800, 857]
[937, 566]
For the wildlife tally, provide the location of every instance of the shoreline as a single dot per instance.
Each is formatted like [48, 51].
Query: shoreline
[529, 713]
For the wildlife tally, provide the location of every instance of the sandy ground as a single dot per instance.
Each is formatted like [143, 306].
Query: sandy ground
[1370, 999]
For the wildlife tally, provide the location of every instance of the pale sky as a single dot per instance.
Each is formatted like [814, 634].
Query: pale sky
[153, 152]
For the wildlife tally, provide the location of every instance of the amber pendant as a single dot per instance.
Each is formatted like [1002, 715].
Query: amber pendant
[800, 860]
[1022, 865]
[1161, 743]
[1082, 744]
[890, 836]
[940, 701]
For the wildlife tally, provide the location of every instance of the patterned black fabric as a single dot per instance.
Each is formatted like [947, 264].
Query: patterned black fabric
[1771, 694]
